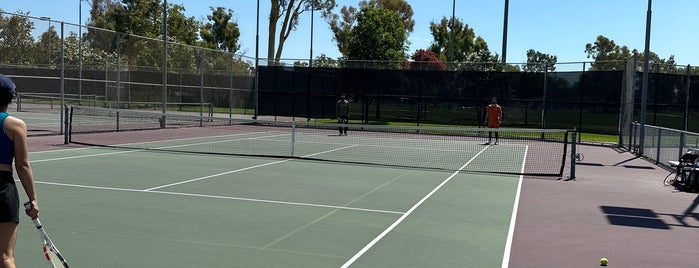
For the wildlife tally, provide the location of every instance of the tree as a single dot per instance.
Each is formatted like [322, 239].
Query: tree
[92, 58]
[607, 54]
[135, 19]
[657, 64]
[16, 41]
[400, 6]
[610, 56]
[222, 34]
[299, 63]
[464, 38]
[48, 49]
[379, 35]
[342, 27]
[426, 60]
[289, 11]
[341, 24]
[104, 40]
[539, 62]
[470, 51]
[323, 61]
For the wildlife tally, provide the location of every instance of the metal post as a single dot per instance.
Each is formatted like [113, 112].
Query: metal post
[310, 67]
[686, 97]
[683, 142]
[658, 145]
[644, 87]
[632, 108]
[573, 153]
[580, 101]
[63, 74]
[201, 86]
[80, 52]
[230, 91]
[118, 69]
[66, 124]
[257, 61]
[310, 59]
[543, 107]
[622, 103]
[293, 137]
[451, 44]
[164, 97]
[504, 32]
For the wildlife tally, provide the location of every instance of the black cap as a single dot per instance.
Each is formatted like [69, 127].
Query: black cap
[7, 86]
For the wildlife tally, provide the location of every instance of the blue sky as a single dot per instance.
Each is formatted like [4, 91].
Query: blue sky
[556, 27]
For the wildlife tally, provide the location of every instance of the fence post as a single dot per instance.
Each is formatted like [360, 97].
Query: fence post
[293, 136]
[543, 99]
[632, 137]
[573, 153]
[657, 151]
[202, 68]
[580, 99]
[63, 70]
[686, 98]
[118, 72]
[682, 144]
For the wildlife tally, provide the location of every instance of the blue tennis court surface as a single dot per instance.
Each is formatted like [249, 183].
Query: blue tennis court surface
[137, 208]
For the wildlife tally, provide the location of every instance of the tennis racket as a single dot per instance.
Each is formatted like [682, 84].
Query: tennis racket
[50, 250]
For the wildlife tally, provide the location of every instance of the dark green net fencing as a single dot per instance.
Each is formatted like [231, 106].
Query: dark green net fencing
[583, 100]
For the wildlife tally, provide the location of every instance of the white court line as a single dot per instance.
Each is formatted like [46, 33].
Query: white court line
[333, 212]
[513, 219]
[241, 169]
[80, 156]
[212, 142]
[407, 213]
[215, 175]
[222, 197]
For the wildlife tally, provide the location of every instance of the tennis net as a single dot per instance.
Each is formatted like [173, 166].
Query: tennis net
[519, 151]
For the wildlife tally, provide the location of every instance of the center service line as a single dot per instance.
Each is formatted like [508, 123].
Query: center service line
[410, 211]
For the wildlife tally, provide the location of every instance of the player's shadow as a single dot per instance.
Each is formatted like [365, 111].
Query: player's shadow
[646, 218]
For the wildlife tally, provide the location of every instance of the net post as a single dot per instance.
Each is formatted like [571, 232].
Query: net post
[293, 136]
[19, 102]
[632, 137]
[66, 125]
[573, 153]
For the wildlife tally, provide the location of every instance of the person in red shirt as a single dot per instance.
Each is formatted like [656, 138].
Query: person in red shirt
[493, 118]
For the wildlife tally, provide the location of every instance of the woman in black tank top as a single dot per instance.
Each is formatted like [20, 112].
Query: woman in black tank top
[16, 130]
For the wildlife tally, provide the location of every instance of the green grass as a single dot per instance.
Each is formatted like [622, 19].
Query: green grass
[599, 138]
[586, 137]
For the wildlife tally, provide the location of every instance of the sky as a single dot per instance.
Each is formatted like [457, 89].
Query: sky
[555, 27]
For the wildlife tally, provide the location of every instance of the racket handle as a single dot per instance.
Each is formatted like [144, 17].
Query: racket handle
[37, 223]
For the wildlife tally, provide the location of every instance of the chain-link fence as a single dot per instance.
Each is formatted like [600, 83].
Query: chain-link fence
[66, 64]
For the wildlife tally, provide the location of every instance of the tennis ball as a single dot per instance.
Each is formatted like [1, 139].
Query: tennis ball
[603, 261]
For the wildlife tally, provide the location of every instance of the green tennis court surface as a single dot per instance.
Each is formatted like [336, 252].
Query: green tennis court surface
[109, 207]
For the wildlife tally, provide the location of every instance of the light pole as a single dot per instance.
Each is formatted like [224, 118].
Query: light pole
[644, 87]
[310, 59]
[451, 44]
[504, 32]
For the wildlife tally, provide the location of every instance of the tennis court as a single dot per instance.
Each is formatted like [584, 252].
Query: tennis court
[164, 202]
